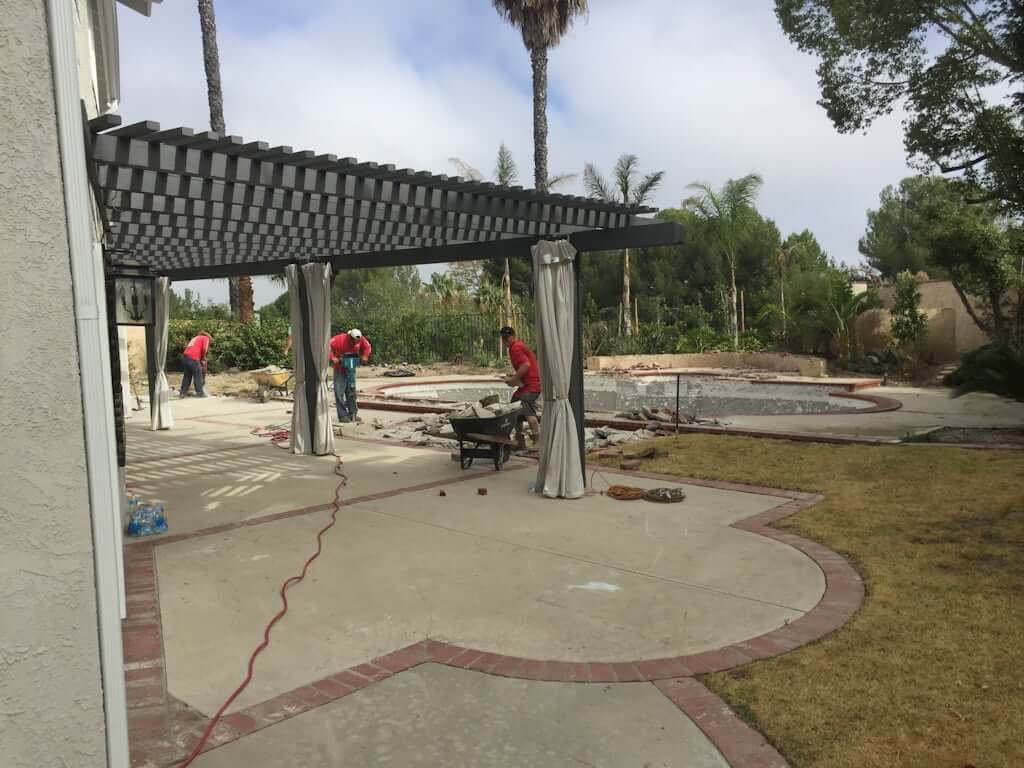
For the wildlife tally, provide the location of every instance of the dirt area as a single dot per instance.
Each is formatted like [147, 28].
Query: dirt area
[972, 436]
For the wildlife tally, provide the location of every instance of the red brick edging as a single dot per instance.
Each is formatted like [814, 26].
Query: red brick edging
[162, 730]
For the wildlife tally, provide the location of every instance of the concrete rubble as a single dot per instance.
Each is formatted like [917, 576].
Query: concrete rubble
[435, 430]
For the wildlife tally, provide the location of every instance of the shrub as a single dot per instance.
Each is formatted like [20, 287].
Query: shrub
[235, 345]
[992, 368]
[909, 323]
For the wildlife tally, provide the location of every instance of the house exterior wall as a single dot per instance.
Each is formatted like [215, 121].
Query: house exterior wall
[951, 331]
[51, 703]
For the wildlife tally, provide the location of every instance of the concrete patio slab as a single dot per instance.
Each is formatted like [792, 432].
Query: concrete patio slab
[438, 716]
[222, 482]
[690, 543]
[539, 579]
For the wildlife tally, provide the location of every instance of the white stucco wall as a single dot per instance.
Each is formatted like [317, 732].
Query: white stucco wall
[51, 706]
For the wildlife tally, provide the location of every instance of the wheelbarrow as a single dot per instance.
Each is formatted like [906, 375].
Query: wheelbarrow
[271, 381]
[485, 438]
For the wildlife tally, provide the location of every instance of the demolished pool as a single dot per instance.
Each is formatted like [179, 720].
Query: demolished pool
[700, 396]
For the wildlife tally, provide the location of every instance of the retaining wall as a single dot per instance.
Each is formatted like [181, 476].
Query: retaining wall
[801, 365]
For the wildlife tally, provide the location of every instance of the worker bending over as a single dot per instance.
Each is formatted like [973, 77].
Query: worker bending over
[526, 379]
[193, 362]
[348, 350]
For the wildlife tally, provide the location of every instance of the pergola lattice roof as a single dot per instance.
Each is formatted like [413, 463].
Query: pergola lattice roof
[195, 205]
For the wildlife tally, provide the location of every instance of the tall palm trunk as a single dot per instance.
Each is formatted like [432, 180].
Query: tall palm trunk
[506, 294]
[240, 296]
[734, 320]
[782, 304]
[539, 64]
[626, 299]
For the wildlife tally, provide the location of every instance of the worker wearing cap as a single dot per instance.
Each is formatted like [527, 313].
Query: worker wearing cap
[526, 379]
[348, 350]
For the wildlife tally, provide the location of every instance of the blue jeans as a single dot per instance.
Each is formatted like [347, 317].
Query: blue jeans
[193, 372]
[345, 394]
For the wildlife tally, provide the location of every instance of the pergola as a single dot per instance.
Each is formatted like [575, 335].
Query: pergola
[190, 205]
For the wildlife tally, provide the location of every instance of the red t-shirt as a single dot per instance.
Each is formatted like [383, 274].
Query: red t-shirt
[342, 344]
[519, 353]
[198, 347]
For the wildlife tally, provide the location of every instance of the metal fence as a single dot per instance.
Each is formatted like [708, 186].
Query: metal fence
[431, 338]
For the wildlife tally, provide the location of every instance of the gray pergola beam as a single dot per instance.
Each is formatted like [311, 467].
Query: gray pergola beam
[242, 263]
[198, 188]
[126, 152]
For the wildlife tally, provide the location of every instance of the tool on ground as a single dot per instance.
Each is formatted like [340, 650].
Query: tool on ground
[271, 379]
[657, 495]
[484, 435]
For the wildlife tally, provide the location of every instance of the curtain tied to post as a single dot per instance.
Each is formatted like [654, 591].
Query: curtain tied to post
[309, 291]
[560, 474]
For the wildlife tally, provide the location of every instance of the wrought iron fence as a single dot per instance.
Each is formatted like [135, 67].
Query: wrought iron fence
[429, 338]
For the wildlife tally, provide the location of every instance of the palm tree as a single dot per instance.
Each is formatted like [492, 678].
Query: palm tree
[726, 210]
[506, 173]
[627, 188]
[240, 296]
[542, 24]
[445, 289]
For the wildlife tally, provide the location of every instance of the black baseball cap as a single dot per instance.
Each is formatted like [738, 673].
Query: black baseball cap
[507, 331]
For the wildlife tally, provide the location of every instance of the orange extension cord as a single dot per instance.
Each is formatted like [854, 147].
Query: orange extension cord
[276, 438]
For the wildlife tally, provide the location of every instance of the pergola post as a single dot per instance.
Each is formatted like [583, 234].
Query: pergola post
[312, 375]
[576, 383]
[151, 368]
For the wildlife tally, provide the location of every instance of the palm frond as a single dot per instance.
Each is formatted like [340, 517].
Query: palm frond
[560, 178]
[465, 169]
[741, 193]
[596, 185]
[646, 187]
[625, 169]
[542, 23]
[705, 203]
[505, 171]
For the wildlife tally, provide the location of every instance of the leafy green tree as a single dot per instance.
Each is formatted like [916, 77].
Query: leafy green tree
[955, 68]
[542, 24]
[506, 173]
[896, 239]
[729, 211]
[926, 224]
[909, 323]
[626, 187]
[188, 306]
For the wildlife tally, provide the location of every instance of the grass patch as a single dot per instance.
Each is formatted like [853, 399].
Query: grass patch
[929, 673]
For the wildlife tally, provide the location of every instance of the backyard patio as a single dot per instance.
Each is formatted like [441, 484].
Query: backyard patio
[452, 620]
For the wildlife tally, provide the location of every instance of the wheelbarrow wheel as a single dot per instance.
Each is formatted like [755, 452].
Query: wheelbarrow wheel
[465, 461]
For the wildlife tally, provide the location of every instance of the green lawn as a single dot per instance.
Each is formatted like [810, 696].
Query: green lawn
[930, 673]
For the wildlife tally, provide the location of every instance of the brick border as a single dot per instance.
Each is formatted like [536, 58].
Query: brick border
[162, 729]
[740, 745]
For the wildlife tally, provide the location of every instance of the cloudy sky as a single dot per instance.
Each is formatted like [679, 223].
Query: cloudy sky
[704, 89]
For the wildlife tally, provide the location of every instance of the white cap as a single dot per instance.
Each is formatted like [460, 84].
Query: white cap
[355, 333]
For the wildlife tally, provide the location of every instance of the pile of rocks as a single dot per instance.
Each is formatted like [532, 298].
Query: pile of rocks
[432, 429]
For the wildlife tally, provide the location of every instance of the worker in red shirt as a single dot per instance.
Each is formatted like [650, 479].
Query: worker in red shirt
[193, 361]
[348, 350]
[526, 379]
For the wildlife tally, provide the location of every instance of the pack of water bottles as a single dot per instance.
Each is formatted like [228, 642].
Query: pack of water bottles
[145, 519]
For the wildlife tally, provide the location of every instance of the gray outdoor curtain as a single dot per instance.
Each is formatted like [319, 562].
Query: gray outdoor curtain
[309, 289]
[160, 411]
[560, 474]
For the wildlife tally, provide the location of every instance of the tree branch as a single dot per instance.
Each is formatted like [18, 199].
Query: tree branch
[970, 308]
[963, 166]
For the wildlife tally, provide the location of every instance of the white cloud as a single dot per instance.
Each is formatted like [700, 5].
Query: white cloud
[706, 89]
